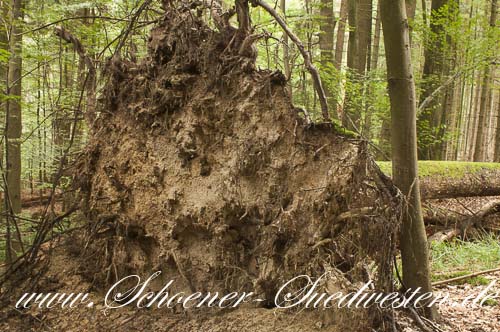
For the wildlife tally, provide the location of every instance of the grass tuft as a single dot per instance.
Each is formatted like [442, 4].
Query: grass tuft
[458, 258]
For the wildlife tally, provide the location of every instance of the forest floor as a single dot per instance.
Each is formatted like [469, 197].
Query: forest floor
[452, 318]
[463, 319]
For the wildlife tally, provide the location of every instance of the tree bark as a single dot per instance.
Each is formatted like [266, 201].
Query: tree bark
[376, 41]
[286, 51]
[413, 239]
[339, 48]
[14, 129]
[3, 86]
[476, 184]
[497, 133]
[480, 146]
[429, 121]
[327, 28]
[359, 17]
[385, 129]
[339, 43]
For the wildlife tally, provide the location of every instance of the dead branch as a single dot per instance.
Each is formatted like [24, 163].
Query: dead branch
[221, 18]
[77, 45]
[445, 235]
[434, 93]
[318, 86]
[243, 15]
[90, 80]
[468, 276]
[126, 32]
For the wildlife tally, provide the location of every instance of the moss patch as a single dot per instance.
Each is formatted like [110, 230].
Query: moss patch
[450, 169]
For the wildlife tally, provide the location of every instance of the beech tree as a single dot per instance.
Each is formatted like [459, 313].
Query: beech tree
[13, 131]
[413, 239]
[327, 28]
[480, 146]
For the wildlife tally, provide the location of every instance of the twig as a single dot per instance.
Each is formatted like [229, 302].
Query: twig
[99, 17]
[447, 281]
[430, 97]
[130, 26]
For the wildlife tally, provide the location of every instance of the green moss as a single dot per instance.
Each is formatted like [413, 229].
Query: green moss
[450, 169]
[490, 302]
[338, 128]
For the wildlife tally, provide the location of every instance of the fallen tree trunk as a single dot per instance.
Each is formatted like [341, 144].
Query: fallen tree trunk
[456, 223]
[485, 182]
[40, 200]
[445, 179]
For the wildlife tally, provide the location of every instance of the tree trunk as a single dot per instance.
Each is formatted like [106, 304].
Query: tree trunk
[413, 240]
[364, 20]
[385, 130]
[14, 129]
[359, 16]
[327, 28]
[480, 146]
[376, 41]
[497, 134]
[411, 7]
[482, 183]
[429, 121]
[286, 51]
[339, 46]
[3, 86]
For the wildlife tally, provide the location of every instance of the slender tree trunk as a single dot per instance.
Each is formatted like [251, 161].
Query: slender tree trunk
[376, 41]
[364, 20]
[430, 133]
[359, 17]
[369, 98]
[413, 241]
[339, 44]
[475, 118]
[496, 157]
[480, 146]
[14, 128]
[385, 130]
[327, 28]
[3, 86]
[339, 47]
[286, 50]
[411, 7]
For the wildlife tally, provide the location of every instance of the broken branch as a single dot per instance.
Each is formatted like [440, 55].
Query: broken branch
[318, 86]
[444, 282]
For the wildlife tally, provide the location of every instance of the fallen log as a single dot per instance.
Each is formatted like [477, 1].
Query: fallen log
[457, 223]
[482, 183]
[40, 200]
[445, 235]
[452, 179]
